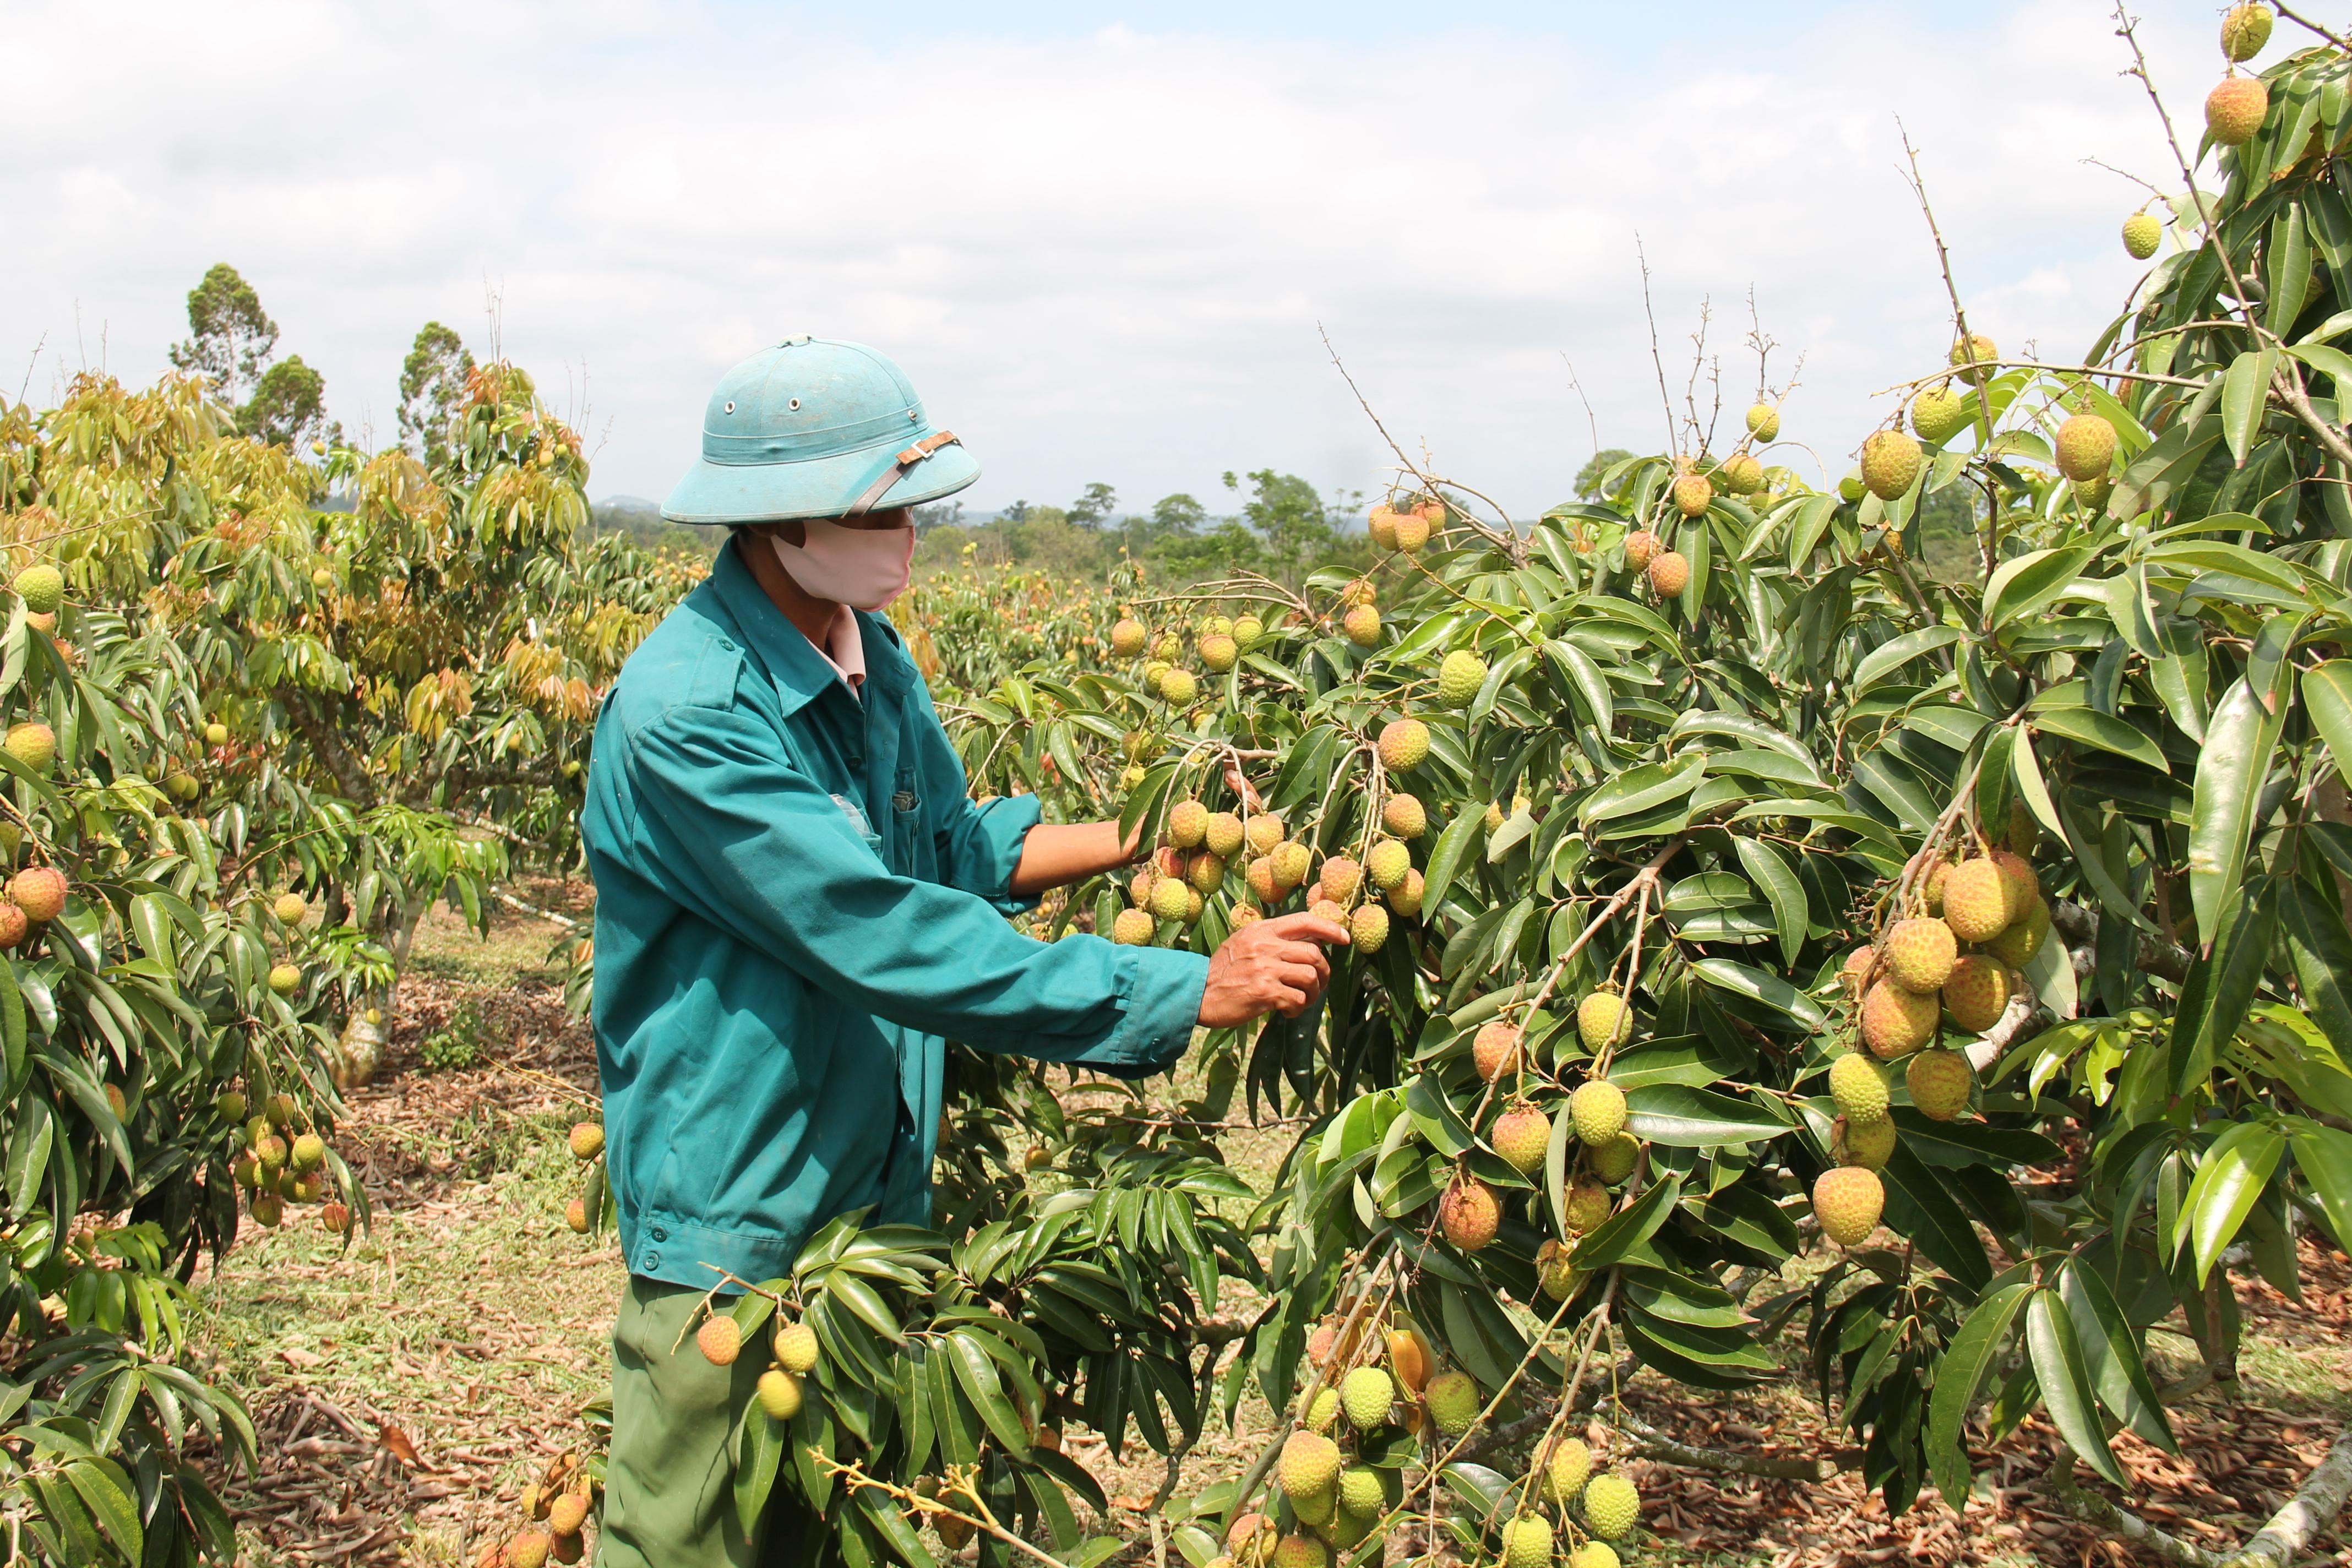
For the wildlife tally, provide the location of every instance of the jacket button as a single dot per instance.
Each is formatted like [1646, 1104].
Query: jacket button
[660, 1235]
[653, 1261]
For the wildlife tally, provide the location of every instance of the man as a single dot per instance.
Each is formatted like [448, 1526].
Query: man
[797, 904]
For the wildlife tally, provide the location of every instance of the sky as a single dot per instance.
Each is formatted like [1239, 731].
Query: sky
[1106, 241]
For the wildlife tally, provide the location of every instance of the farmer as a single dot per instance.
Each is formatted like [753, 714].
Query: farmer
[797, 904]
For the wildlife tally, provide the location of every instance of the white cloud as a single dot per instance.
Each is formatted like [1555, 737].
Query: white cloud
[1101, 256]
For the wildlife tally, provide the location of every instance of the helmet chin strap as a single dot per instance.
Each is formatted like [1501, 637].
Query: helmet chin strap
[897, 470]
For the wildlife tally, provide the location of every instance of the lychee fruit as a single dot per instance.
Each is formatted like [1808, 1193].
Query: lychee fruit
[1128, 638]
[2143, 232]
[1309, 1465]
[1603, 1019]
[1527, 1539]
[1940, 1082]
[1300, 1552]
[1341, 878]
[1188, 823]
[1171, 898]
[2016, 945]
[1890, 462]
[1896, 1021]
[1459, 675]
[1205, 871]
[1594, 1554]
[1597, 1107]
[1613, 1162]
[33, 743]
[1404, 742]
[1974, 357]
[1763, 422]
[1858, 1084]
[1612, 1506]
[1362, 625]
[2020, 885]
[1938, 413]
[42, 588]
[2086, 447]
[780, 1394]
[1522, 1136]
[2235, 109]
[1558, 1279]
[1919, 954]
[1406, 897]
[1387, 863]
[720, 1339]
[1588, 1204]
[1741, 476]
[2244, 30]
[1133, 928]
[1976, 901]
[289, 908]
[586, 1140]
[1264, 832]
[1224, 834]
[1692, 494]
[797, 1348]
[1406, 816]
[1977, 994]
[1218, 652]
[40, 892]
[1366, 1395]
[1292, 860]
[1670, 573]
[1323, 1410]
[1470, 1212]
[1847, 1200]
[1642, 547]
[1180, 688]
[1367, 929]
[1380, 525]
[1865, 1143]
[1453, 1402]
[1570, 1467]
[1494, 1049]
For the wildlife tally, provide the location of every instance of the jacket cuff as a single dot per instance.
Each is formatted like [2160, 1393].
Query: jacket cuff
[1162, 987]
[1003, 828]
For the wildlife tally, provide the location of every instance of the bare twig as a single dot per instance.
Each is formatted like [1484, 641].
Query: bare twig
[2300, 20]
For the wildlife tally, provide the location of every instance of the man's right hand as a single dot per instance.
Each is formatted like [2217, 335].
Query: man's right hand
[1273, 966]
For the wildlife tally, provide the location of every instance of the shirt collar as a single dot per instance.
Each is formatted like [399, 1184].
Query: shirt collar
[800, 671]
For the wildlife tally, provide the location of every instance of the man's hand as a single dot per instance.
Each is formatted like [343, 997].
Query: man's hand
[1273, 966]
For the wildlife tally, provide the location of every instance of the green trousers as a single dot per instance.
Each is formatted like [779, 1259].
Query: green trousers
[669, 1491]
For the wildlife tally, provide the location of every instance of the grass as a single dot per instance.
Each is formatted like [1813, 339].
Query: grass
[474, 1323]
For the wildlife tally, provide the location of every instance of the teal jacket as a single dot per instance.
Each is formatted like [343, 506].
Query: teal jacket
[796, 905]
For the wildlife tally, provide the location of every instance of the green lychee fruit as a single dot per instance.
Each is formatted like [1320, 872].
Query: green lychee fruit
[1522, 1136]
[2020, 885]
[1180, 688]
[1570, 1467]
[1763, 422]
[1613, 1162]
[780, 1394]
[1847, 1200]
[1553, 1274]
[1133, 928]
[1526, 1542]
[1387, 862]
[1587, 1206]
[1867, 1143]
[1470, 1212]
[1453, 1402]
[2143, 232]
[1593, 1554]
[285, 978]
[1919, 954]
[1692, 494]
[1218, 652]
[1406, 816]
[1742, 476]
[1205, 871]
[1128, 637]
[2244, 30]
[42, 588]
[2235, 109]
[34, 744]
[1612, 1505]
[308, 1152]
[1171, 898]
[1940, 1082]
[1597, 1107]
[1248, 629]
[1933, 889]
[1974, 358]
[1361, 1490]
[1366, 1395]
[797, 1348]
[1309, 1465]
[1404, 742]
[1406, 897]
[1850, 489]
[1858, 1084]
[586, 1140]
[1977, 994]
[1367, 929]
[2017, 945]
[1459, 676]
[1362, 625]
[1224, 834]
[1890, 462]
[1341, 879]
[216, 733]
[1976, 901]
[1300, 1552]
[1323, 1410]
[2086, 447]
[1291, 862]
[1896, 1021]
[1603, 1019]
[1938, 413]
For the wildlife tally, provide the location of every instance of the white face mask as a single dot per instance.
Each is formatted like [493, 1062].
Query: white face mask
[864, 568]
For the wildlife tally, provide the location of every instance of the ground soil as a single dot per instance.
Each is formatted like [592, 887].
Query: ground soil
[408, 1389]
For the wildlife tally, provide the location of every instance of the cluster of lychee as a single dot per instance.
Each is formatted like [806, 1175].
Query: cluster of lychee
[559, 1506]
[1405, 525]
[2235, 109]
[31, 898]
[1470, 1210]
[586, 1143]
[291, 909]
[1218, 642]
[1955, 965]
[1333, 1496]
[794, 1349]
[42, 588]
[281, 1159]
[1605, 1505]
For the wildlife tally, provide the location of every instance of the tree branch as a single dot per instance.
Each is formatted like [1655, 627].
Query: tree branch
[2058, 1485]
[1650, 1443]
[2308, 1512]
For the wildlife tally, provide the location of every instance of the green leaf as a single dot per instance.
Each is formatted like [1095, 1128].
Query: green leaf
[1445, 857]
[2245, 390]
[1682, 1117]
[2236, 757]
[2066, 1381]
[2228, 1179]
[2324, 1155]
[1889, 656]
[1959, 1377]
[109, 1493]
[2320, 949]
[760, 1454]
[1615, 1237]
[2026, 584]
[1919, 1204]
[1767, 990]
[2327, 698]
[2105, 731]
[2108, 1345]
[1771, 869]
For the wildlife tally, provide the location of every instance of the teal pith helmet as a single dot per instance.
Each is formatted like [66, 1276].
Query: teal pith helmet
[816, 428]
